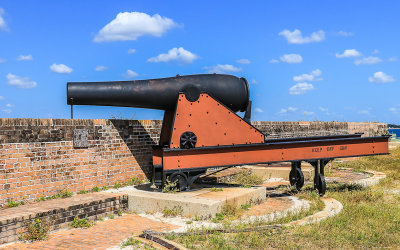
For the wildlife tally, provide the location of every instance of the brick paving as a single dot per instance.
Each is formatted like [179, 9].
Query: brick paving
[103, 235]
[271, 205]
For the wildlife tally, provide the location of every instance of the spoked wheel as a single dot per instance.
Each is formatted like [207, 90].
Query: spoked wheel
[296, 178]
[320, 184]
[180, 180]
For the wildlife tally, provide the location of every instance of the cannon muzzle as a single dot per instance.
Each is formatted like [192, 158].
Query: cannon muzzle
[161, 93]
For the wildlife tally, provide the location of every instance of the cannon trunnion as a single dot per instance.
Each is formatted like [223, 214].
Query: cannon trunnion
[201, 129]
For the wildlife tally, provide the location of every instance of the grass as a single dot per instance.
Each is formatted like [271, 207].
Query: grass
[81, 223]
[60, 194]
[370, 217]
[36, 230]
[170, 187]
[15, 203]
[246, 179]
[175, 211]
[136, 244]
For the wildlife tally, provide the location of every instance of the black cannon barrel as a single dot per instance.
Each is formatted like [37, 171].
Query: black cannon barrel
[160, 93]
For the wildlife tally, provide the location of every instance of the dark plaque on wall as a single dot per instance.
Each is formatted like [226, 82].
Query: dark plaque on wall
[81, 138]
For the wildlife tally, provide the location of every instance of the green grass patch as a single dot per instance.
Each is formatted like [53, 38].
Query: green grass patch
[15, 203]
[215, 189]
[246, 179]
[81, 223]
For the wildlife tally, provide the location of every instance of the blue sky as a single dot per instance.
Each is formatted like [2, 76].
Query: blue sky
[306, 60]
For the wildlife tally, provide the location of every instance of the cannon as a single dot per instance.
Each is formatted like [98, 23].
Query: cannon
[201, 128]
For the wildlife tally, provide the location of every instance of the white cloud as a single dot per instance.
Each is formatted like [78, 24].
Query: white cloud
[381, 77]
[1, 97]
[131, 51]
[273, 61]
[101, 68]
[20, 82]
[254, 81]
[259, 110]
[243, 61]
[220, 69]
[300, 88]
[323, 109]
[25, 58]
[282, 111]
[287, 110]
[3, 25]
[349, 53]
[60, 68]
[175, 54]
[364, 112]
[309, 77]
[394, 110]
[368, 60]
[392, 59]
[8, 105]
[308, 113]
[344, 33]
[128, 26]
[8, 111]
[2, 60]
[295, 37]
[130, 74]
[376, 51]
[291, 58]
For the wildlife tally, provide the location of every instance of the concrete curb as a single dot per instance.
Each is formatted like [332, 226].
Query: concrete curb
[371, 181]
[332, 208]
[298, 206]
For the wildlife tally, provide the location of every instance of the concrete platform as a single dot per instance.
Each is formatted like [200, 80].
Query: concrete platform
[202, 202]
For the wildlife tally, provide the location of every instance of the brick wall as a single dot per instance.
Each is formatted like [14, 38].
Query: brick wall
[37, 156]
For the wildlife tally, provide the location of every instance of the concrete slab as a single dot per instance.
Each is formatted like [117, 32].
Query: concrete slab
[203, 202]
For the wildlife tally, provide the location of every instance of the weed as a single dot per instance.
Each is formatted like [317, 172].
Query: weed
[60, 194]
[136, 181]
[175, 211]
[117, 185]
[189, 222]
[83, 192]
[111, 216]
[105, 188]
[81, 223]
[170, 187]
[15, 203]
[95, 189]
[246, 178]
[41, 199]
[246, 206]
[130, 242]
[119, 212]
[64, 194]
[36, 230]
[218, 217]
[214, 189]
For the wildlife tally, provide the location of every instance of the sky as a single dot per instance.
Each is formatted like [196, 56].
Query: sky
[304, 60]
